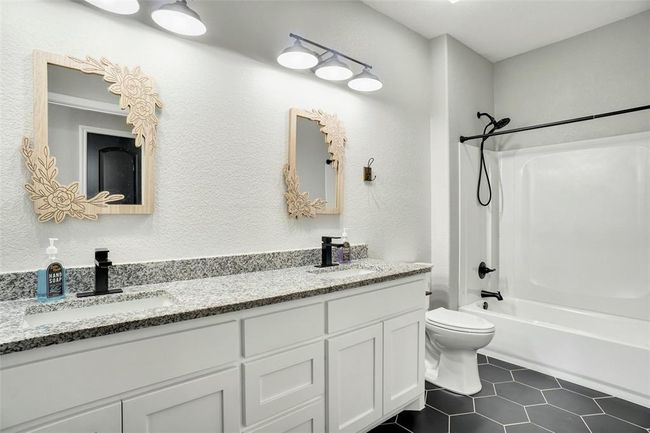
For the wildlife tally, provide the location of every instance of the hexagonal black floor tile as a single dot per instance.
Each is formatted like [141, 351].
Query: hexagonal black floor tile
[486, 391]
[587, 392]
[608, 424]
[520, 393]
[569, 400]
[625, 410]
[525, 428]
[450, 403]
[535, 379]
[425, 421]
[430, 386]
[503, 364]
[481, 359]
[556, 420]
[494, 374]
[389, 428]
[473, 423]
[500, 410]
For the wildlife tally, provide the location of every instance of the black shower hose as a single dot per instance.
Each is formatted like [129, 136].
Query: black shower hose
[483, 167]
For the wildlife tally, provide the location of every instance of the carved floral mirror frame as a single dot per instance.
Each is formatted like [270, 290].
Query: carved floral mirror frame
[136, 92]
[299, 204]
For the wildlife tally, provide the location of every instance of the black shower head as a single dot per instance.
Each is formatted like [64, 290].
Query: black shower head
[501, 123]
[497, 124]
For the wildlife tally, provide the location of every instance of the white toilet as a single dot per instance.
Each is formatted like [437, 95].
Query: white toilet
[452, 341]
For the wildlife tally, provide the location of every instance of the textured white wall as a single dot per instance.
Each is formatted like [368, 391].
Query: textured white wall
[603, 70]
[223, 141]
[461, 86]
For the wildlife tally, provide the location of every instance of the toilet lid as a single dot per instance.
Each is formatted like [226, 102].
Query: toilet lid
[457, 321]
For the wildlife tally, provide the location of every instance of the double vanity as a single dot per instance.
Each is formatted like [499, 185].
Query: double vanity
[286, 350]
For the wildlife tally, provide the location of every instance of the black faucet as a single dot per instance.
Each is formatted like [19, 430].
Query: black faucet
[326, 251]
[486, 294]
[101, 275]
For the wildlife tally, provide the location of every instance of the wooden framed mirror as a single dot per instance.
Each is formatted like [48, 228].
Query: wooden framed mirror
[94, 138]
[314, 173]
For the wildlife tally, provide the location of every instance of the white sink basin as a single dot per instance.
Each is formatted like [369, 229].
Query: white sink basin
[72, 311]
[343, 272]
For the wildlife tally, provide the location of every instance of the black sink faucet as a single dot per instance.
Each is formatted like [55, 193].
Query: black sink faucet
[101, 275]
[326, 251]
[486, 294]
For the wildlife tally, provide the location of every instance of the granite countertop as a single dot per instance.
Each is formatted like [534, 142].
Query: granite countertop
[189, 299]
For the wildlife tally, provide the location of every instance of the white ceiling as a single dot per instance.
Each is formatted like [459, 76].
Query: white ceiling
[498, 29]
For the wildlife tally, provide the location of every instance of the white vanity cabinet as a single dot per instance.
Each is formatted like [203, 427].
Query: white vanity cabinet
[339, 362]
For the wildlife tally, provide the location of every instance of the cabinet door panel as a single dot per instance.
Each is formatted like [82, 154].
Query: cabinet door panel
[209, 404]
[403, 359]
[354, 382]
[107, 419]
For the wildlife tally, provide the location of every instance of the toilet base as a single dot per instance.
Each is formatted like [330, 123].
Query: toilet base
[457, 371]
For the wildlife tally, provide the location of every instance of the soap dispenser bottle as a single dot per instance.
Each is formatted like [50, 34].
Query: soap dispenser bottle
[51, 279]
[346, 253]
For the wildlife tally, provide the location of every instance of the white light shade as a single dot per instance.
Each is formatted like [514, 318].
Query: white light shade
[297, 57]
[179, 18]
[333, 69]
[122, 7]
[365, 82]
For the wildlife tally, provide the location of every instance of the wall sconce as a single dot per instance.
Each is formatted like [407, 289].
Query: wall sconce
[328, 65]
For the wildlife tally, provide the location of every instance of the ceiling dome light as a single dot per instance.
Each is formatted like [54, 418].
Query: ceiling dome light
[298, 57]
[179, 18]
[122, 7]
[366, 81]
[333, 69]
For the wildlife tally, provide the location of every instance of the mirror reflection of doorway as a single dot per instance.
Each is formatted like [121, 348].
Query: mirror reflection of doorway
[113, 164]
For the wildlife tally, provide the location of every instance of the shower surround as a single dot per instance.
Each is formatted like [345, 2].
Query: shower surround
[569, 233]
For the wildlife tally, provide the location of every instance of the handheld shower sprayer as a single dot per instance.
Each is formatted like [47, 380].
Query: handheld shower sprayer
[495, 124]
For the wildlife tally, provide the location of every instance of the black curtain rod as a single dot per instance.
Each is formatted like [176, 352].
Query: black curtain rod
[561, 122]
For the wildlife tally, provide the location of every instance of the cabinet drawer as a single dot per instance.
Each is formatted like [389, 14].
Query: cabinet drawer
[310, 419]
[356, 310]
[45, 387]
[208, 404]
[283, 328]
[107, 419]
[280, 382]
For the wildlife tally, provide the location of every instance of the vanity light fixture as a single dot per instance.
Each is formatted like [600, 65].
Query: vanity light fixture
[365, 81]
[298, 57]
[178, 18]
[122, 7]
[331, 66]
[333, 69]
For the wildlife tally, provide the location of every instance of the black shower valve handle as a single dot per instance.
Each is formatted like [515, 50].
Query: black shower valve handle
[483, 270]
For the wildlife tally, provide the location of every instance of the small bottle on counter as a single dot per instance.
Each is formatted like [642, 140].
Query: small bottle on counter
[51, 285]
[346, 251]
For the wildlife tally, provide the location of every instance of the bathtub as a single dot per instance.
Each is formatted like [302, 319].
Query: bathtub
[604, 352]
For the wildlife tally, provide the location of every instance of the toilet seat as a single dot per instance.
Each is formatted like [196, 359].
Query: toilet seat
[459, 322]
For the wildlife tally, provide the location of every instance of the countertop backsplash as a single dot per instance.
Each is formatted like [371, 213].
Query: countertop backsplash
[19, 285]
